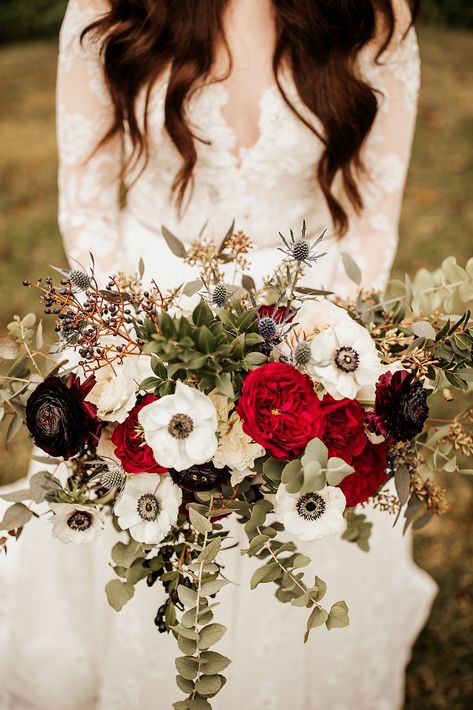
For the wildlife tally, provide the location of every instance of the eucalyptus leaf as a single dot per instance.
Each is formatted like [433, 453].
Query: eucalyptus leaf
[174, 244]
[338, 616]
[15, 517]
[352, 269]
[187, 596]
[119, 593]
[210, 635]
[199, 522]
[210, 552]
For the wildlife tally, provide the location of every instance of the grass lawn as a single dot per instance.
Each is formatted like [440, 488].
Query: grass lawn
[437, 220]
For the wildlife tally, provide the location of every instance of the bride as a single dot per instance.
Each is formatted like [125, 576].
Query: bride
[269, 112]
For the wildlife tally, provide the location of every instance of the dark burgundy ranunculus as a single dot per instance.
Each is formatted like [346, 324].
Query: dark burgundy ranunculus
[280, 409]
[370, 472]
[59, 419]
[201, 477]
[130, 447]
[400, 407]
[344, 433]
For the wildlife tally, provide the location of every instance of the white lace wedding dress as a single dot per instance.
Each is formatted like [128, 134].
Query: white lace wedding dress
[62, 647]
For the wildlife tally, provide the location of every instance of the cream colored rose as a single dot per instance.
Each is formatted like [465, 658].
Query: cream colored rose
[114, 392]
[235, 449]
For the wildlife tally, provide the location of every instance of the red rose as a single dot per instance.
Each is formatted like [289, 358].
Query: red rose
[132, 450]
[279, 315]
[280, 409]
[370, 472]
[344, 434]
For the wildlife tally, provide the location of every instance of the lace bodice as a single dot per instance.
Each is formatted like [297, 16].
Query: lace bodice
[267, 188]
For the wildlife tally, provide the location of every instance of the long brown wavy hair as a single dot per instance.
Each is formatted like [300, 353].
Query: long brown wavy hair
[318, 40]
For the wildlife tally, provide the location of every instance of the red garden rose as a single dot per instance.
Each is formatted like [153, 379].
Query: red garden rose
[344, 434]
[370, 472]
[132, 450]
[280, 409]
[279, 315]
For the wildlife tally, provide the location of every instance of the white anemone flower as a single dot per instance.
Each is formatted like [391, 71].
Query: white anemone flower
[76, 523]
[148, 507]
[345, 360]
[311, 516]
[181, 428]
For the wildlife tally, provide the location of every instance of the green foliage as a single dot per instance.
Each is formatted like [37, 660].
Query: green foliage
[218, 348]
[452, 12]
[28, 19]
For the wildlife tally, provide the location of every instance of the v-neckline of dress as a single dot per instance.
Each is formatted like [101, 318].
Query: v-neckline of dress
[240, 153]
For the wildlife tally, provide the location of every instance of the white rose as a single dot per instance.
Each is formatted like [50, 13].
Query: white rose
[114, 392]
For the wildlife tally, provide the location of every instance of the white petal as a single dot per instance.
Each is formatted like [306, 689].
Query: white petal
[201, 445]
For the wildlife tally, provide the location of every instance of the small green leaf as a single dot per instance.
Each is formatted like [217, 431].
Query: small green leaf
[338, 616]
[187, 596]
[223, 383]
[119, 593]
[213, 586]
[125, 554]
[301, 560]
[174, 244]
[352, 269]
[210, 552]
[191, 288]
[267, 573]
[338, 469]
[318, 616]
[184, 684]
[214, 662]
[402, 481]
[210, 635]
[16, 516]
[187, 667]
[208, 684]
[199, 522]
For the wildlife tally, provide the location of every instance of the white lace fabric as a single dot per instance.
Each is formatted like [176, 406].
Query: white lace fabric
[268, 188]
[61, 646]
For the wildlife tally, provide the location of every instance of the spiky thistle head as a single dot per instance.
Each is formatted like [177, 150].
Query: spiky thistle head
[220, 295]
[268, 328]
[302, 354]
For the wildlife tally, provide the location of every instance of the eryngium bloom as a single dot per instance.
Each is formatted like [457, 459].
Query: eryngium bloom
[59, 419]
[401, 406]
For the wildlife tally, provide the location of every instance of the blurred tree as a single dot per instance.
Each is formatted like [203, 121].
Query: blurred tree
[27, 19]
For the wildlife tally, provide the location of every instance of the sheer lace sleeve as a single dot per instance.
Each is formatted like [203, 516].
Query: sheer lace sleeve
[373, 234]
[88, 180]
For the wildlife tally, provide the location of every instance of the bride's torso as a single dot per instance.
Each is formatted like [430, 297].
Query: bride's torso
[256, 160]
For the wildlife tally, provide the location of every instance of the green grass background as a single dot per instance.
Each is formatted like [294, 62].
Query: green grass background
[437, 220]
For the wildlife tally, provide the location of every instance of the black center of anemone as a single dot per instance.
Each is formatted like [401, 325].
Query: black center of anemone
[310, 506]
[148, 507]
[80, 520]
[347, 359]
[180, 426]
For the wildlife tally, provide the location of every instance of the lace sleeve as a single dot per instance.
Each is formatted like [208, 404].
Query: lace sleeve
[88, 178]
[373, 234]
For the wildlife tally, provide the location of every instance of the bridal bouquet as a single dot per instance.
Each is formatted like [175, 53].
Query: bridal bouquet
[276, 405]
